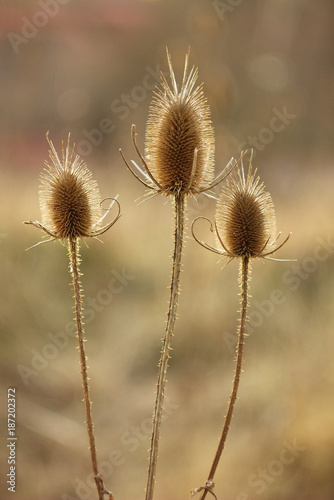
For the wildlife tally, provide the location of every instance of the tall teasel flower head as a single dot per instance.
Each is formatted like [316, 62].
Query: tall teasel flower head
[71, 209]
[179, 135]
[245, 224]
[179, 146]
[178, 161]
[69, 197]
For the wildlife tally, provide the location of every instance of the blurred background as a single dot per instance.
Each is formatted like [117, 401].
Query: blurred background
[90, 68]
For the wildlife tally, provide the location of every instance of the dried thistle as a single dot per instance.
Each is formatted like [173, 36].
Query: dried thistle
[245, 217]
[245, 224]
[179, 160]
[245, 228]
[69, 198]
[179, 149]
[70, 204]
[179, 136]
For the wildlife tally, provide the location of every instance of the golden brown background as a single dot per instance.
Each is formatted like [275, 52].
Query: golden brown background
[84, 66]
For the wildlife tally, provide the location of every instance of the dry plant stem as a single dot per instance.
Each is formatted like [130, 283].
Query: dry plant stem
[75, 272]
[166, 342]
[244, 278]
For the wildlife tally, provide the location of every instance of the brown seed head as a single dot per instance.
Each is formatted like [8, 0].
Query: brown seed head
[69, 197]
[245, 216]
[179, 135]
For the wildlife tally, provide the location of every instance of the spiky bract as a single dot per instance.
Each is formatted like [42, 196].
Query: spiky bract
[245, 216]
[179, 148]
[69, 198]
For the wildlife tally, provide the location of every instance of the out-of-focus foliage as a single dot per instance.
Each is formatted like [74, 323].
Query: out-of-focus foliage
[90, 68]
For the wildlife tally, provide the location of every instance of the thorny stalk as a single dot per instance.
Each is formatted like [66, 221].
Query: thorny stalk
[75, 272]
[244, 280]
[179, 203]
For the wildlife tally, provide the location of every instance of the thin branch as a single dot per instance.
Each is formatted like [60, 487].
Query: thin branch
[220, 239]
[166, 343]
[75, 272]
[107, 210]
[98, 232]
[147, 178]
[133, 135]
[40, 226]
[133, 172]
[220, 177]
[203, 243]
[244, 278]
[277, 248]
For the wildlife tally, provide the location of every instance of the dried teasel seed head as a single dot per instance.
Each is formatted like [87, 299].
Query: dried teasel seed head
[179, 149]
[69, 198]
[245, 217]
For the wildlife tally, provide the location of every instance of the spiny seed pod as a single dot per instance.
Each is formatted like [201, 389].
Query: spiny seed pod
[245, 224]
[179, 146]
[245, 216]
[69, 198]
[179, 135]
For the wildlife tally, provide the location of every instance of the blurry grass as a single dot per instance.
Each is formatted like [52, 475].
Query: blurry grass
[286, 388]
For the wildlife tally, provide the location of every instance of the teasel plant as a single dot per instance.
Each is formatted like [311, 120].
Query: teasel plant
[178, 162]
[71, 210]
[244, 228]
